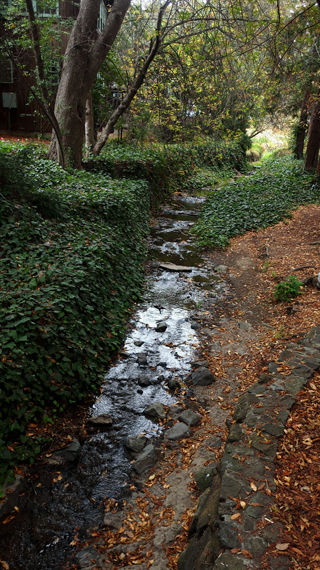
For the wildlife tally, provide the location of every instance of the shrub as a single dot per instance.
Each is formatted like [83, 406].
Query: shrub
[287, 289]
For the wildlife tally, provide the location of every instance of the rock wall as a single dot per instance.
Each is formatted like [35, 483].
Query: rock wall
[237, 498]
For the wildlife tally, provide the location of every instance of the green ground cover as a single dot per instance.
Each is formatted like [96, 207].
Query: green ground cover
[72, 249]
[257, 201]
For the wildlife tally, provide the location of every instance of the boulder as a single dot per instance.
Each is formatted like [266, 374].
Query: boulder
[190, 418]
[144, 381]
[173, 384]
[202, 377]
[161, 326]
[142, 358]
[145, 460]
[155, 410]
[103, 420]
[178, 431]
[204, 476]
[66, 455]
[136, 443]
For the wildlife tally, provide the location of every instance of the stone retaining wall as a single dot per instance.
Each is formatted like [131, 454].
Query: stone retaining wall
[237, 493]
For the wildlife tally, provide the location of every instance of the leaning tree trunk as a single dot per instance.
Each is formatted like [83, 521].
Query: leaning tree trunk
[301, 132]
[313, 145]
[83, 58]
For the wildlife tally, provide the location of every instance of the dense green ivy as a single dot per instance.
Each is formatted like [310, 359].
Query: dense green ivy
[71, 255]
[172, 167]
[257, 201]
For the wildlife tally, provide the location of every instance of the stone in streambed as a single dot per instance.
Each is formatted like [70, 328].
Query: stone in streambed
[136, 443]
[66, 455]
[190, 418]
[142, 359]
[173, 384]
[144, 381]
[202, 377]
[103, 420]
[145, 460]
[178, 431]
[161, 327]
[155, 410]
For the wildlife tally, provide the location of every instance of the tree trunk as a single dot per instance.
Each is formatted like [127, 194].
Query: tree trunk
[83, 58]
[313, 145]
[89, 125]
[301, 132]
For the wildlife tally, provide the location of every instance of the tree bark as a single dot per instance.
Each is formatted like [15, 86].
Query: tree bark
[313, 145]
[85, 53]
[301, 132]
[118, 112]
[89, 125]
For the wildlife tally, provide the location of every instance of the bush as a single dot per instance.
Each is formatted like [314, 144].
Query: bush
[261, 200]
[287, 289]
[72, 248]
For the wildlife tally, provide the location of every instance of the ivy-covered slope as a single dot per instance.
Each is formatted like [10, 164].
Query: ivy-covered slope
[71, 254]
[257, 201]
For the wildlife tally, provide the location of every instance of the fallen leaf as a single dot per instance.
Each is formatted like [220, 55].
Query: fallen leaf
[283, 546]
[253, 486]
[5, 565]
[246, 553]
[243, 504]
[8, 519]
[235, 516]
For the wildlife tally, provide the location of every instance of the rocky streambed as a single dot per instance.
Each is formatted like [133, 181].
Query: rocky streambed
[63, 505]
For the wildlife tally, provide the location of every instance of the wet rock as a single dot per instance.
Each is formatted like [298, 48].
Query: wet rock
[173, 384]
[235, 434]
[155, 410]
[145, 460]
[229, 536]
[205, 475]
[195, 326]
[161, 327]
[142, 359]
[112, 521]
[162, 364]
[144, 381]
[103, 420]
[200, 363]
[190, 418]
[178, 431]
[202, 377]
[136, 443]
[139, 391]
[173, 267]
[138, 342]
[66, 455]
[221, 268]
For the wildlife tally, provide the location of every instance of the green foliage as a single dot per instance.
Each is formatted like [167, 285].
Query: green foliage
[263, 199]
[287, 289]
[167, 168]
[72, 248]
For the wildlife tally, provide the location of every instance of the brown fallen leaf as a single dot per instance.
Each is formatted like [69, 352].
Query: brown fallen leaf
[253, 486]
[5, 565]
[235, 516]
[283, 546]
[8, 519]
[246, 553]
[243, 504]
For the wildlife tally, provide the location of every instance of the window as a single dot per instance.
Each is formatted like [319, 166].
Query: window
[46, 9]
[6, 70]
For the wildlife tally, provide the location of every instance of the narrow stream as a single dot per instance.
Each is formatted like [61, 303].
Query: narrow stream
[52, 513]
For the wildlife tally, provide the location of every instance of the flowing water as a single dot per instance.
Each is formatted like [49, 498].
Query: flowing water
[52, 512]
